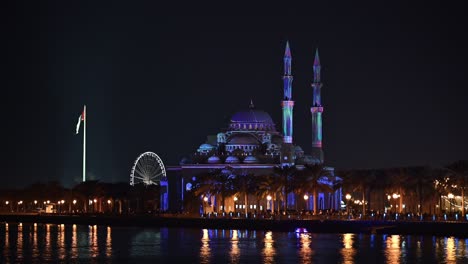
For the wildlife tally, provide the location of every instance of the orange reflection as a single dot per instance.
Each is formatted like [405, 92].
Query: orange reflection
[61, 242]
[109, 242]
[34, 240]
[47, 249]
[205, 251]
[393, 250]
[348, 252]
[93, 245]
[305, 252]
[268, 251]
[19, 242]
[7, 241]
[74, 246]
[234, 247]
[450, 250]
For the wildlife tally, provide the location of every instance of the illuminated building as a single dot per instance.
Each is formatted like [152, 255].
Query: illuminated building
[252, 144]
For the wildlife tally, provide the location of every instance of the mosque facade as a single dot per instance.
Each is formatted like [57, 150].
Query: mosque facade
[252, 144]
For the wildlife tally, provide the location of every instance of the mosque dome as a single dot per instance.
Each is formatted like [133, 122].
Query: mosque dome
[251, 116]
[206, 147]
[252, 120]
[214, 159]
[251, 159]
[232, 159]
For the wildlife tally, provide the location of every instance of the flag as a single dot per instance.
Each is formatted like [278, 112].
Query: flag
[80, 118]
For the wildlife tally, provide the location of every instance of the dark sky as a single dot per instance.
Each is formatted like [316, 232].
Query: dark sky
[161, 78]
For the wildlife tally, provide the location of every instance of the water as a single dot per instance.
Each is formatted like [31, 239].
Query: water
[42, 243]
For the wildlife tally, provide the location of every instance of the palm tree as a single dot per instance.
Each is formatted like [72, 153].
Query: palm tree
[399, 181]
[285, 175]
[312, 176]
[87, 190]
[362, 181]
[242, 185]
[459, 172]
[215, 182]
[442, 184]
[422, 183]
[268, 184]
[204, 184]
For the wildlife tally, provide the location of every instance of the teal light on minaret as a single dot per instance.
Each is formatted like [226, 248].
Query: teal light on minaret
[287, 148]
[317, 110]
[287, 102]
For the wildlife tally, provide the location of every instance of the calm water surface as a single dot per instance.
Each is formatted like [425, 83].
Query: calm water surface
[40, 243]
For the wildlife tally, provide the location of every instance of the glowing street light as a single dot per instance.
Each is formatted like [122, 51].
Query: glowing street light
[395, 196]
[235, 200]
[450, 196]
[35, 202]
[268, 202]
[348, 197]
[306, 197]
[205, 199]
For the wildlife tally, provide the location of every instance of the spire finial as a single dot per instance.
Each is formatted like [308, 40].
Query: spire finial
[251, 106]
[317, 59]
[287, 52]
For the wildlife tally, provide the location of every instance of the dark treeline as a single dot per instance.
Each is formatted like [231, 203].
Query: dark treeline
[415, 189]
[86, 197]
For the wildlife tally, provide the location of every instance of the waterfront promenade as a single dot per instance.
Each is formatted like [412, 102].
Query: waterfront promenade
[285, 224]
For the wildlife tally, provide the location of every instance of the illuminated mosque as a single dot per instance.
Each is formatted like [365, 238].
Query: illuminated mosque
[253, 145]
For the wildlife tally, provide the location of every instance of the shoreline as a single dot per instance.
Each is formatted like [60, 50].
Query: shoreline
[453, 228]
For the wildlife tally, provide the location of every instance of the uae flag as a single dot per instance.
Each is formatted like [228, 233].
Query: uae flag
[80, 118]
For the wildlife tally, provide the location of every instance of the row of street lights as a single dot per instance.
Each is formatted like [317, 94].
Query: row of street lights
[59, 203]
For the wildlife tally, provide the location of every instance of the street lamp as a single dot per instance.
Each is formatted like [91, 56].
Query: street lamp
[395, 196]
[306, 197]
[205, 199]
[348, 197]
[235, 200]
[450, 196]
[109, 202]
[74, 203]
[269, 205]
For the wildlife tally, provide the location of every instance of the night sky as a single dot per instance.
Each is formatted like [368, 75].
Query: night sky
[161, 78]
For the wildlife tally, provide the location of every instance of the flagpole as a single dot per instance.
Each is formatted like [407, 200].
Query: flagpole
[84, 143]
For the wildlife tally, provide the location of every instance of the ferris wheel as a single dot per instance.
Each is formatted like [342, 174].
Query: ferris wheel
[148, 169]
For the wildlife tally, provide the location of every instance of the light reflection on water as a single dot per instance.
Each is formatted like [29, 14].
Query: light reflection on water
[205, 251]
[268, 250]
[23, 242]
[347, 252]
[234, 253]
[305, 250]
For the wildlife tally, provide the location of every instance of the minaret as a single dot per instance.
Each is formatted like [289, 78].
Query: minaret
[287, 150]
[317, 110]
